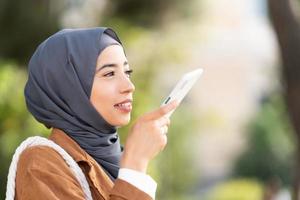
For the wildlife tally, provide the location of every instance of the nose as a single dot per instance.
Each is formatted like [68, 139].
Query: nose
[127, 86]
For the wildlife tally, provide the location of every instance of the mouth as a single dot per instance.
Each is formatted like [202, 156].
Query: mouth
[124, 106]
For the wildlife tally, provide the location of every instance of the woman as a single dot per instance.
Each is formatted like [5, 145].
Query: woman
[79, 85]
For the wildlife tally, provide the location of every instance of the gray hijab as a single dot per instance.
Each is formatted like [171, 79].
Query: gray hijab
[58, 90]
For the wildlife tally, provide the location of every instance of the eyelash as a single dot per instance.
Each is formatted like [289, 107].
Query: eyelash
[128, 72]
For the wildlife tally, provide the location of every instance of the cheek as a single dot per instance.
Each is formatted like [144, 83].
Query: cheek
[102, 96]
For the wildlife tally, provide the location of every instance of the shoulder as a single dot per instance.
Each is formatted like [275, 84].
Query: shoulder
[42, 172]
[42, 159]
[43, 162]
[37, 155]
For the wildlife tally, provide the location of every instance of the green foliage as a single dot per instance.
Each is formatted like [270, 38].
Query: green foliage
[270, 148]
[23, 25]
[147, 13]
[240, 189]
[15, 121]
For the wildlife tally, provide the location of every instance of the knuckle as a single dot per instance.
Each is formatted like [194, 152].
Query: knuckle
[155, 124]
[164, 110]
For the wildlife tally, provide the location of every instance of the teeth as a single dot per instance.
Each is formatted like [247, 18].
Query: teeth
[124, 105]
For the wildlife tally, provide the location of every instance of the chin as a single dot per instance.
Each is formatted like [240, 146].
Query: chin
[121, 122]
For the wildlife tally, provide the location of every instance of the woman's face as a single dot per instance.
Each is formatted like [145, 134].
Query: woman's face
[112, 89]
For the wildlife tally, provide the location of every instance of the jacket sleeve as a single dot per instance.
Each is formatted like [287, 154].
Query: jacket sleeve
[123, 190]
[43, 174]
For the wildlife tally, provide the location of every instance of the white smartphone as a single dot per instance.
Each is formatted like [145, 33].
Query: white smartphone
[183, 86]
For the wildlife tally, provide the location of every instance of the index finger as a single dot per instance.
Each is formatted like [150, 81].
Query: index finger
[163, 110]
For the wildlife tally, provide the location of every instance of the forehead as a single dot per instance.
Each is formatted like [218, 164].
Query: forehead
[111, 56]
[112, 53]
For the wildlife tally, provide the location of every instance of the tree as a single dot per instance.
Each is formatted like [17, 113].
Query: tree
[287, 28]
[268, 137]
[148, 13]
[23, 25]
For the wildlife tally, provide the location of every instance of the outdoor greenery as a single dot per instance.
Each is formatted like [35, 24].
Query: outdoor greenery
[269, 154]
[15, 121]
[24, 24]
[270, 144]
[239, 189]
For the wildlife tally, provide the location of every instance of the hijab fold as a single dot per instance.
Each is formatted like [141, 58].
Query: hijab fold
[58, 90]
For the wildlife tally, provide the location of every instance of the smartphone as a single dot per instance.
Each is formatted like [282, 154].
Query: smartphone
[183, 86]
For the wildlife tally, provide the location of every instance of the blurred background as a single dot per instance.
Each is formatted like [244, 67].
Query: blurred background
[235, 136]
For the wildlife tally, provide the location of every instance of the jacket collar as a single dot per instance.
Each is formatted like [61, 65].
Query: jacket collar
[69, 145]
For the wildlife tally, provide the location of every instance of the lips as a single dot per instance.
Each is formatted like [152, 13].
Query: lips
[124, 106]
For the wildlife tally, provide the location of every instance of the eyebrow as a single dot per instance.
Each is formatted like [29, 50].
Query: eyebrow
[110, 65]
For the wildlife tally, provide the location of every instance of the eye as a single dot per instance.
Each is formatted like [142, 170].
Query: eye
[109, 74]
[129, 72]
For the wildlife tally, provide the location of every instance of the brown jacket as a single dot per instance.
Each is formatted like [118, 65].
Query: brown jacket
[43, 174]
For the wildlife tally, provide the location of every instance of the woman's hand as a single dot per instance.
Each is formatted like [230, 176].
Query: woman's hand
[147, 138]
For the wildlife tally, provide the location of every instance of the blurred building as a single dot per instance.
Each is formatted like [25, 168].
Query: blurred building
[239, 58]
